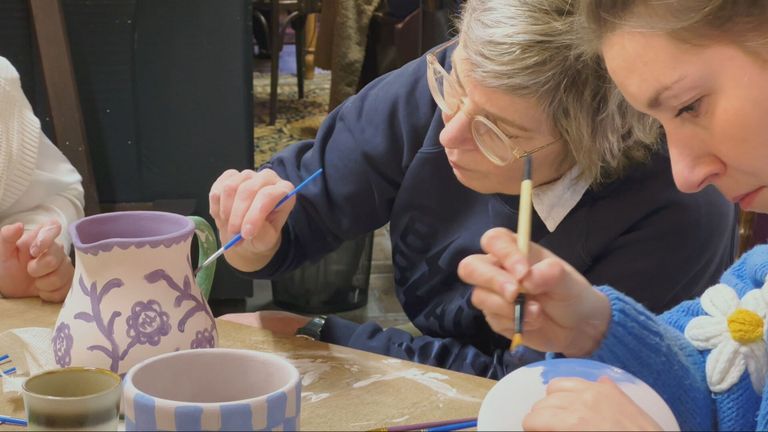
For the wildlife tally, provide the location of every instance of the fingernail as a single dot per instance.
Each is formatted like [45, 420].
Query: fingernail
[33, 250]
[519, 270]
[533, 309]
[247, 231]
[510, 290]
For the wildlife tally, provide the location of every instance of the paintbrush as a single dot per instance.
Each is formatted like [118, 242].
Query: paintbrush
[238, 237]
[443, 425]
[523, 242]
[12, 421]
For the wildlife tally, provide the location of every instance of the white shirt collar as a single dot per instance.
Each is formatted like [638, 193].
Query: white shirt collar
[553, 201]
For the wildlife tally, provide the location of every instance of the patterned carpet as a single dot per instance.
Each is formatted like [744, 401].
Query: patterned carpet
[297, 119]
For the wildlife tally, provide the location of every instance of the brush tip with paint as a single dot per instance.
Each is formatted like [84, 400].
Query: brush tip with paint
[517, 340]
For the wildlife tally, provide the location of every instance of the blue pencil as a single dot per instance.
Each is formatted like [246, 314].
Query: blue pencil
[4, 357]
[236, 239]
[10, 371]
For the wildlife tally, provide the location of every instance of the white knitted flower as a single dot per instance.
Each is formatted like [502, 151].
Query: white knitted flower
[734, 332]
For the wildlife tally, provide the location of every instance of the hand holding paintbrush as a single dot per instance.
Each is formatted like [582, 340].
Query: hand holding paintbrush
[564, 313]
[253, 207]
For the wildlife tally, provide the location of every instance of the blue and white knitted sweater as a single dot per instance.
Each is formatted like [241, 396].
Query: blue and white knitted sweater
[658, 350]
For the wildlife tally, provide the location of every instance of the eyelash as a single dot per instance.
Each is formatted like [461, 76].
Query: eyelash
[510, 135]
[690, 108]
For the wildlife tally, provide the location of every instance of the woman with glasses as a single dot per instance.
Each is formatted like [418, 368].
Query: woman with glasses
[701, 68]
[434, 150]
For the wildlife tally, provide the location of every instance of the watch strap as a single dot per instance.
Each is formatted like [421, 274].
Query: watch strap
[312, 328]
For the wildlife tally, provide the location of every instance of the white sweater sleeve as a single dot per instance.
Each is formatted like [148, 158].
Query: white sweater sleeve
[37, 183]
[55, 192]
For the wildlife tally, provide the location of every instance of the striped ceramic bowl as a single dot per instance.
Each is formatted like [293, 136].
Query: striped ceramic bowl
[212, 389]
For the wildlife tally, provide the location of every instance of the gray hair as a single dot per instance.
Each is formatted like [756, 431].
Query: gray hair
[533, 48]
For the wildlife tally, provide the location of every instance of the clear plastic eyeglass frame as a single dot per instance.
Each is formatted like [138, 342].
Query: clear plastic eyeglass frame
[449, 96]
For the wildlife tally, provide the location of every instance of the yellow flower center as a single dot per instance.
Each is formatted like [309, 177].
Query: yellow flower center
[745, 326]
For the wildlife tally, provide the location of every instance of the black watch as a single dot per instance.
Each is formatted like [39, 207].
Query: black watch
[312, 329]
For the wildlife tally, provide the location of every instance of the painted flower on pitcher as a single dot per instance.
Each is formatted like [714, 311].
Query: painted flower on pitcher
[148, 323]
[734, 330]
[203, 339]
[62, 345]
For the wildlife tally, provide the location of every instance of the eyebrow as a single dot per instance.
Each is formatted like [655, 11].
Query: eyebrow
[654, 102]
[496, 118]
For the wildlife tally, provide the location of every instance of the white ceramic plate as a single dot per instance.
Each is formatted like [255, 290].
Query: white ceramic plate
[508, 402]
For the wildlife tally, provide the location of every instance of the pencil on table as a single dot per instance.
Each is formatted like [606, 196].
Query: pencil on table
[523, 242]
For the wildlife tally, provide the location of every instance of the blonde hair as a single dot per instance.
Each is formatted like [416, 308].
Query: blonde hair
[693, 21]
[533, 48]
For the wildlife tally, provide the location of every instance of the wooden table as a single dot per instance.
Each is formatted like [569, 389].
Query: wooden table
[344, 389]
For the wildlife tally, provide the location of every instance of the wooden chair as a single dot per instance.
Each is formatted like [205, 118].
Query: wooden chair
[63, 97]
[297, 11]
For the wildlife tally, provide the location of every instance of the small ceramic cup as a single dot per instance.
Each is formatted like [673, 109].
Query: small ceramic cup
[74, 398]
[212, 389]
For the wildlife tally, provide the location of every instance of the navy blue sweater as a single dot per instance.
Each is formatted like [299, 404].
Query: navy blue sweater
[383, 163]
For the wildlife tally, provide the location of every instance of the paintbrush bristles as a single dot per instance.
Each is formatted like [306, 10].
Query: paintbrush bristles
[517, 339]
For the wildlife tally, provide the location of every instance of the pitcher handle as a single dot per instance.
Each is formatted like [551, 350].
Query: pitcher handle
[206, 246]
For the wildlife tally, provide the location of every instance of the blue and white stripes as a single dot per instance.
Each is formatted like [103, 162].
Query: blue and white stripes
[216, 389]
[278, 411]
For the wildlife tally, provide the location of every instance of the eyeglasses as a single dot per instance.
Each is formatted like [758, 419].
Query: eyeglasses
[449, 96]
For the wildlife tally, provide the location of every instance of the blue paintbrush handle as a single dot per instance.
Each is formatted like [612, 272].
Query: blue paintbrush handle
[233, 241]
[454, 426]
[12, 421]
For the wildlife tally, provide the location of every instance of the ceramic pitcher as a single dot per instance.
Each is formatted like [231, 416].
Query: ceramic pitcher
[134, 294]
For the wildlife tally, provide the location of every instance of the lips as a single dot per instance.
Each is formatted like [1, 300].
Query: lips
[456, 166]
[746, 200]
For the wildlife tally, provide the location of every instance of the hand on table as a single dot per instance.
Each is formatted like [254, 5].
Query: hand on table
[563, 312]
[33, 264]
[278, 322]
[577, 404]
[242, 202]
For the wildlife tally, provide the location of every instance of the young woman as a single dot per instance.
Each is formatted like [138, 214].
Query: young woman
[700, 67]
[434, 150]
[40, 193]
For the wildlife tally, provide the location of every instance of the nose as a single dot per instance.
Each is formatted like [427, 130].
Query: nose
[694, 166]
[457, 132]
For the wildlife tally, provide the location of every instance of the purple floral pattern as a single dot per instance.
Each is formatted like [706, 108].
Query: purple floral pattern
[185, 294]
[203, 339]
[148, 323]
[107, 328]
[62, 345]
